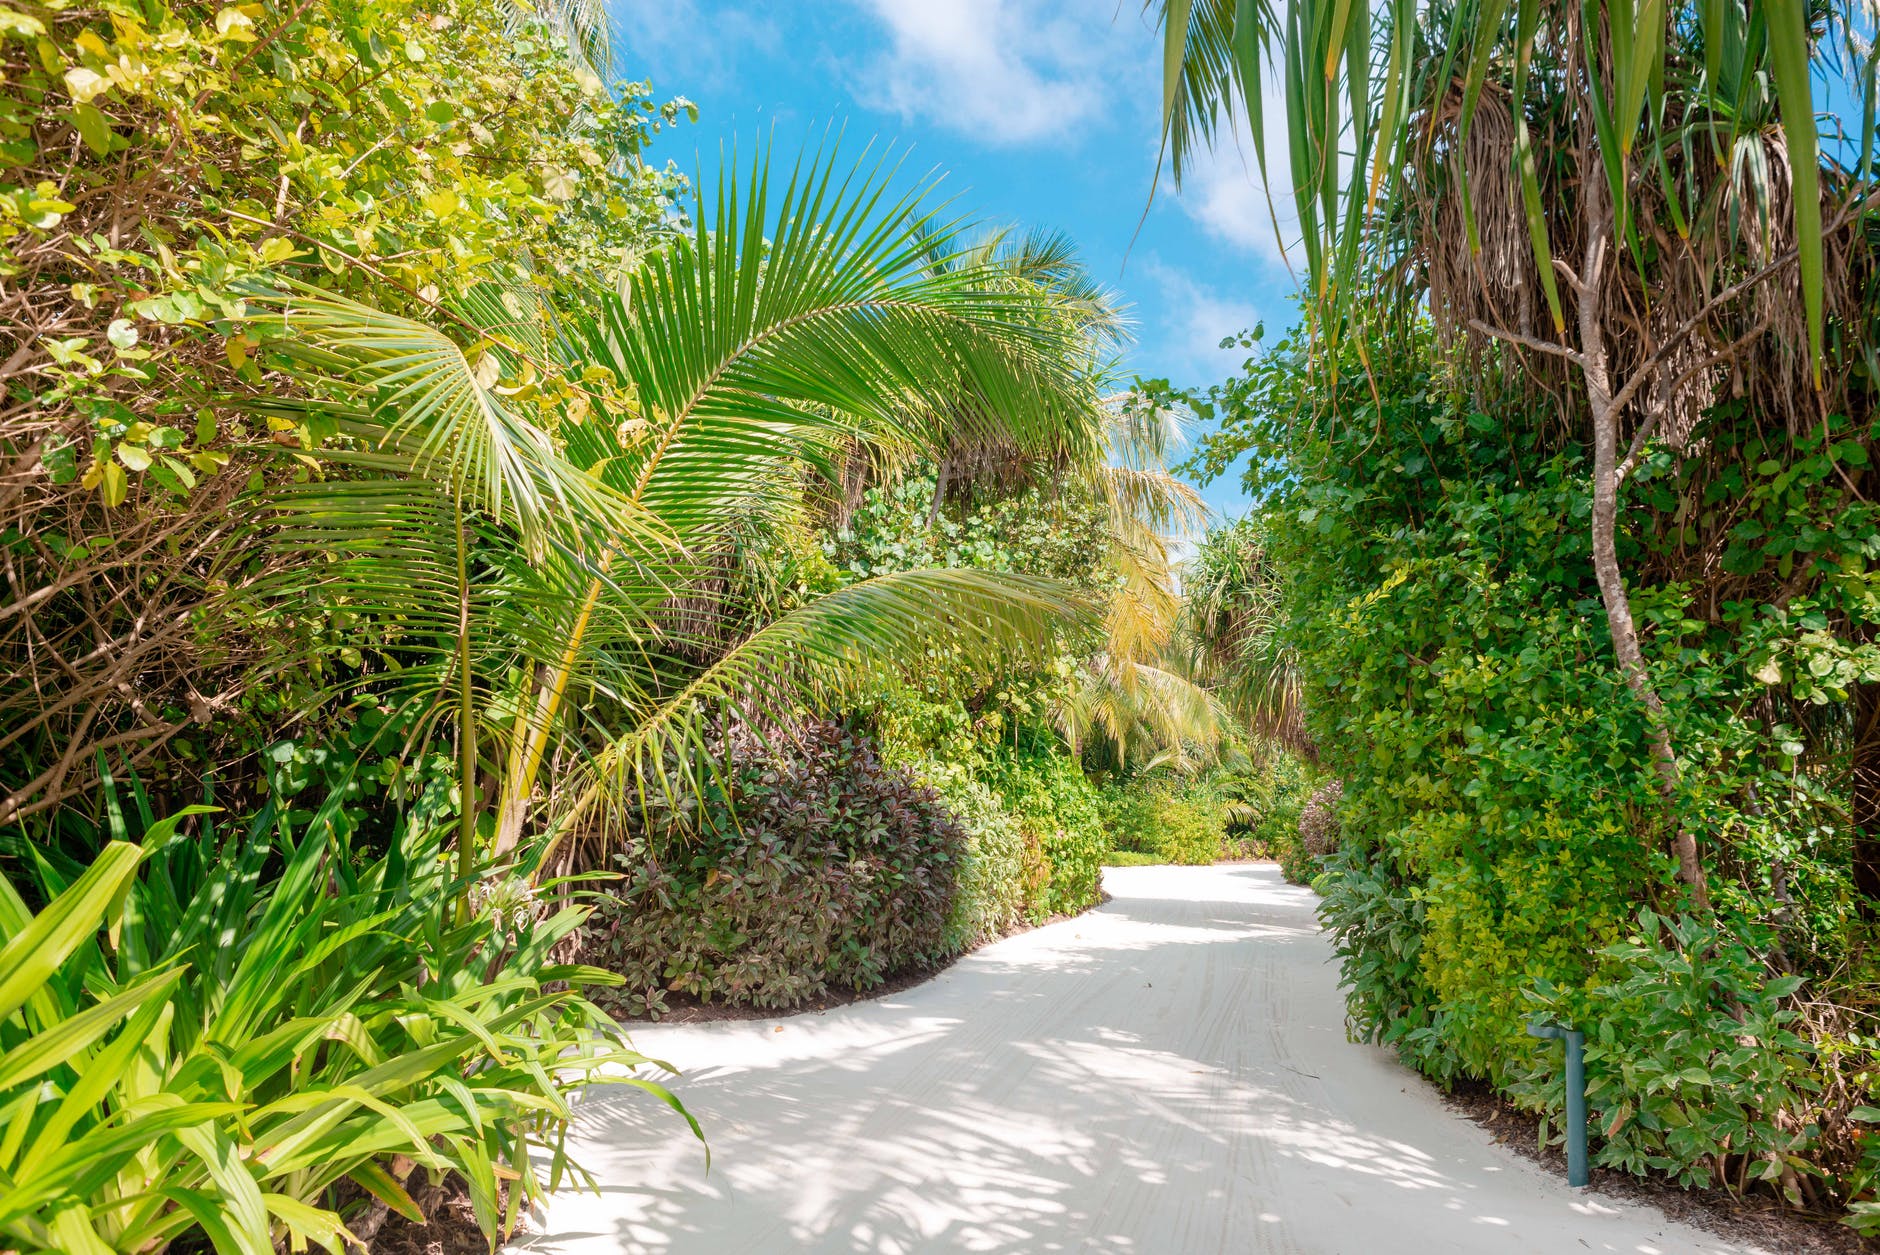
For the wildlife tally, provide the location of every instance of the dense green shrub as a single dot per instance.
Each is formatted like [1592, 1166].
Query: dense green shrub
[1504, 844]
[1062, 823]
[1714, 1063]
[1278, 831]
[1261, 803]
[1043, 827]
[1271, 800]
[163, 163]
[1167, 820]
[989, 887]
[807, 865]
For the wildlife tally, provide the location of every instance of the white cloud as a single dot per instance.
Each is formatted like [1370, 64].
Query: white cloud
[673, 27]
[1006, 71]
[1195, 320]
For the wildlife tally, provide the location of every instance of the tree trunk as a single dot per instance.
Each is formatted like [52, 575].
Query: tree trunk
[1598, 218]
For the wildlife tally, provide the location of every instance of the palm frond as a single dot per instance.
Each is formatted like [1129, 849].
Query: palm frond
[788, 334]
[838, 649]
[1135, 713]
[440, 408]
[769, 341]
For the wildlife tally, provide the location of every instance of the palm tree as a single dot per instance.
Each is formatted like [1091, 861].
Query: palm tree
[524, 495]
[1118, 450]
[1136, 701]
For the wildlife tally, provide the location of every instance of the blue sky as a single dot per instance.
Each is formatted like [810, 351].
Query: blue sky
[1039, 112]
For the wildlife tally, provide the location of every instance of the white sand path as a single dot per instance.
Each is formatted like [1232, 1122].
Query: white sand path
[1166, 1075]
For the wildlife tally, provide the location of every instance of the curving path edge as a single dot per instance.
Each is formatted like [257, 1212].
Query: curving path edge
[1165, 1075]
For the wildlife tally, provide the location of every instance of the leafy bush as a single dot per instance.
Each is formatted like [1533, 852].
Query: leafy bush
[1319, 822]
[807, 865]
[1304, 833]
[399, 152]
[1166, 820]
[1504, 847]
[1062, 823]
[1692, 1056]
[1278, 831]
[1261, 802]
[989, 890]
[203, 1037]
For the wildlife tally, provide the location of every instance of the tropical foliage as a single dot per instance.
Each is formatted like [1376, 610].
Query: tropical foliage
[1156, 822]
[164, 163]
[811, 866]
[528, 552]
[207, 1034]
[1565, 509]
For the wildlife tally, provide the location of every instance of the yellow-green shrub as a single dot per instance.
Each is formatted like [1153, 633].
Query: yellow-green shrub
[1164, 820]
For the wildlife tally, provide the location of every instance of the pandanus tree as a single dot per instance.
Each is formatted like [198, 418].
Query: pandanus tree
[1608, 210]
[1233, 634]
[523, 497]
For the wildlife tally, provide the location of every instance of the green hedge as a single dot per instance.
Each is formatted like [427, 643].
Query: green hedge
[1503, 844]
[1062, 822]
[989, 888]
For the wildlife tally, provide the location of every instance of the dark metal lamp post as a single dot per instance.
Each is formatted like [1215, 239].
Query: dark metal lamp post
[1576, 1096]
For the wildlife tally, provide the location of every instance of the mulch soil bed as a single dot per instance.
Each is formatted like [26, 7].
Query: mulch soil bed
[452, 1227]
[1757, 1222]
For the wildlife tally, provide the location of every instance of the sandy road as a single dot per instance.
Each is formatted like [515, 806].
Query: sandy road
[1167, 1075]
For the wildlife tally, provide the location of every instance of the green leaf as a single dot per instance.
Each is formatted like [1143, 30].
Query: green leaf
[93, 127]
[1789, 54]
[57, 1045]
[31, 957]
[376, 1181]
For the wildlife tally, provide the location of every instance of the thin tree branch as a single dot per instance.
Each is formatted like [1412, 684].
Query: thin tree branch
[1527, 341]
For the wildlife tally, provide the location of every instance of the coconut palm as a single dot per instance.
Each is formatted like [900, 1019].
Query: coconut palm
[523, 496]
[1116, 448]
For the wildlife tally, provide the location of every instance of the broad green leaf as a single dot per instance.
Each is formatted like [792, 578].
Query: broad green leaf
[1789, 63]
[37, 951]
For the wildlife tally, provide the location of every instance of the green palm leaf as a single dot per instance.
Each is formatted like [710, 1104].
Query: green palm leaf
[838, 648]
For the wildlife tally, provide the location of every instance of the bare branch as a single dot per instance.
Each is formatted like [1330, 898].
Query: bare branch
[1527, 341]
[1683, 330]
[1716, 359]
